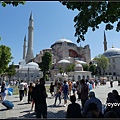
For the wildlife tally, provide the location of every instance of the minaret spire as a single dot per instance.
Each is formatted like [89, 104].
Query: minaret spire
[105, 42]
[30, 55]
[24, 48]
[31, 16]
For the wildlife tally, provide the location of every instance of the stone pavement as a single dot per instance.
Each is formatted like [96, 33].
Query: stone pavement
[22, 109]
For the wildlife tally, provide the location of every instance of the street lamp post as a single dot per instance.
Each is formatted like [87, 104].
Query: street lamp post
[28, 76]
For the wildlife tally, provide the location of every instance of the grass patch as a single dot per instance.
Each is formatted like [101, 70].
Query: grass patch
[16, 90]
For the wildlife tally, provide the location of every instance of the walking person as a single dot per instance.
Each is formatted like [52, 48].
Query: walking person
[21, 90]
[39, 96]
[51, 89]
[3, 91]
[84, 92]
[58, 93]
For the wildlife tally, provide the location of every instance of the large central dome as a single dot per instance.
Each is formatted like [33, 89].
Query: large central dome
[112, 52]
[63, 40]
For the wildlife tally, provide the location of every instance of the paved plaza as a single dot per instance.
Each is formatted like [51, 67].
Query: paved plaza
[22, 109]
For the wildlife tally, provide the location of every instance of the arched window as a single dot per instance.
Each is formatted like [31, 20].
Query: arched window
[83, 77]
[88, 77]
[114, 73]
[110, 73]
[79, 77]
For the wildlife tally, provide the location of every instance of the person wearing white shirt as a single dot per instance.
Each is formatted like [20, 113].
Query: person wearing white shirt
[21, 90]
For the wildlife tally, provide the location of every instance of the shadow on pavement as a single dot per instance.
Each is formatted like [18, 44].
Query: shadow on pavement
[4, 109]
[59, 114]
[57, 106]
[15, 101]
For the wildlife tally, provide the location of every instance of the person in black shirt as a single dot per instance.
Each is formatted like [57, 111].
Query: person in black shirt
[51, 89]
[74, 109]
[39, 96]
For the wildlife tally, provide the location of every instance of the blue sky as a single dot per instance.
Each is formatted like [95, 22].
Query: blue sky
[52, 21]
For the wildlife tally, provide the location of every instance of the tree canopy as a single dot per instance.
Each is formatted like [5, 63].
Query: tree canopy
[102, 62]
[92, 14]
[5, 58]
[14, 3]
[46, 63]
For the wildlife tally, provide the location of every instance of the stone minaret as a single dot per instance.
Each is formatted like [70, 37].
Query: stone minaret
[105, 42]
[30, 55]
[24, 48]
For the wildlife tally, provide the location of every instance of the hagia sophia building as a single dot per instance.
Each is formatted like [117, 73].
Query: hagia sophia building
[64, 49]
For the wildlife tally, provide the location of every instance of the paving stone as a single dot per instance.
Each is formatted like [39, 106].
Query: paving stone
[22, 109]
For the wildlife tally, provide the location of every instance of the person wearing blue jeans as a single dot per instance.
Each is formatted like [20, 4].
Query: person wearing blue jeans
[65, 92]
[58, 93]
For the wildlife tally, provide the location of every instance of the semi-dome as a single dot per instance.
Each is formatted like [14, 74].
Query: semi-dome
[63, 40]
[78, 65]
[32, 64]
[112, 52]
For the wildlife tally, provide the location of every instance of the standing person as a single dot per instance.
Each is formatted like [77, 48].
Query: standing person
[111, 82]
[33, 102]
[92, 99]
[3, 91]
[25, 88]
[96, 83]
[84, 92]
[51, 89]
[37, 82]
[65, 93]
[111, 100]
[116, 95]
[55, 89]
[30, 89]
[39, 97]
[21, 90]
[73, 87]
[78, 90]
[70, 87]
[74, 109]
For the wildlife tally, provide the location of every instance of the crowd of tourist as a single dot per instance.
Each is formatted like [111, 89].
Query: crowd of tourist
[89, 107]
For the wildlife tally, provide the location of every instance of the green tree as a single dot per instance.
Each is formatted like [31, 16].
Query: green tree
[70, 68]
[60, 69]
[11, 70]
[46, 63]
[14, 3]
[102, 62]
[92, 69]
[85, 67]
[92, 14]
[5, 58]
